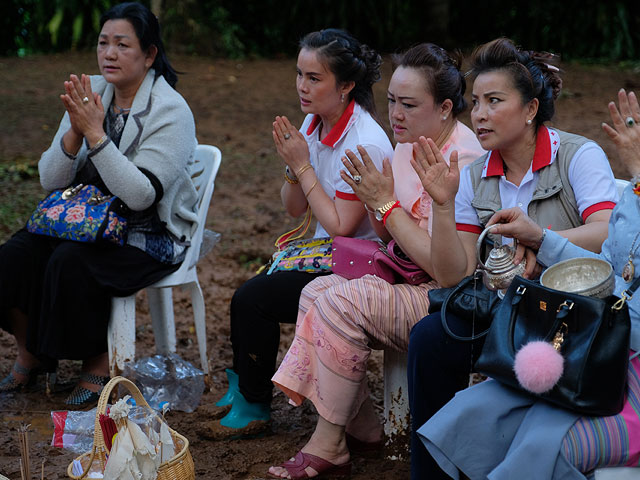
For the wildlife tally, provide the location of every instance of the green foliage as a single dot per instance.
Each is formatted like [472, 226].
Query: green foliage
[30, 26]
[231, 28]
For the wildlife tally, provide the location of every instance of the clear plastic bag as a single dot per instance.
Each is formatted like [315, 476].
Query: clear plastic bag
[73, 430]
[209, 240]
[167, 378]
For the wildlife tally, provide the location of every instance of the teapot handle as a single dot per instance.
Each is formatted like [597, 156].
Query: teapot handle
[479, 248]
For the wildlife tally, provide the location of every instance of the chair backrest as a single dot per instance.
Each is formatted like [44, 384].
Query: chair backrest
[204, 169]
[621, 185]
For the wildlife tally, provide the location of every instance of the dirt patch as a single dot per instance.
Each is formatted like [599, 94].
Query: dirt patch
[234, 104]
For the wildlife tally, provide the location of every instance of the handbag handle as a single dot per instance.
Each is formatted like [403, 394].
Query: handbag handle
[627, 294]
[477, 276]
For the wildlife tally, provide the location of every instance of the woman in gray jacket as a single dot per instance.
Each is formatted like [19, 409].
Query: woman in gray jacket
[129, 133]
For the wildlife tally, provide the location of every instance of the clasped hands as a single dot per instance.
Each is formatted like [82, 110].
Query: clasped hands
[290, 144]
[84, 107]
[373, 188]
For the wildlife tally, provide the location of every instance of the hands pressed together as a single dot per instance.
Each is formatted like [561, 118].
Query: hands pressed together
[290, 144]
[85, 109]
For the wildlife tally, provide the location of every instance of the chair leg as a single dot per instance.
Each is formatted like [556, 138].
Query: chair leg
[164, 327]
[197, 301]
[121, 333]
[396, 404]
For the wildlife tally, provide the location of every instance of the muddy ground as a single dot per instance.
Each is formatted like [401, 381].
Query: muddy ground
[234, 103]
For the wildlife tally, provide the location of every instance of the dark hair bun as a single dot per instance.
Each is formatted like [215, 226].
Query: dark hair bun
[442, 73]
[532, 72]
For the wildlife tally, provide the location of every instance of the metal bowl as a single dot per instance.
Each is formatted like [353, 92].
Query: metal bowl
[590, 277]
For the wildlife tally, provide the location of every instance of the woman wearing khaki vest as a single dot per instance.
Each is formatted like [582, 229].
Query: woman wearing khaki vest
[562, 181]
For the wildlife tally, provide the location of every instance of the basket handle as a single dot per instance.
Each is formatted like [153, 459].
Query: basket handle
[99, 447]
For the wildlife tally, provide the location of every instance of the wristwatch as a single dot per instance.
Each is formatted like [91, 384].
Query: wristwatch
[380, 211]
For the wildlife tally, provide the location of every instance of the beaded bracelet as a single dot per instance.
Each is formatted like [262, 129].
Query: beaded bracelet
[292, 181]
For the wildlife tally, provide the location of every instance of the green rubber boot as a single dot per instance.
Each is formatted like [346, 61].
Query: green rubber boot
[227, 398]
[242, 413]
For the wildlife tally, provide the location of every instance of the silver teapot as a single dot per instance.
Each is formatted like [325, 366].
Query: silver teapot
[499, 270]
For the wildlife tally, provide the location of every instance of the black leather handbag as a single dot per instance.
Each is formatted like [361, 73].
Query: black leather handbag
[470, 299]
[594, 336]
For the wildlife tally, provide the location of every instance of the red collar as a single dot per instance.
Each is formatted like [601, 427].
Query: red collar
[338, 129]
[541, 156]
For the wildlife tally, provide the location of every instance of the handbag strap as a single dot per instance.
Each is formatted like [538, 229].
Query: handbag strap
[627, 294]
[476, 277]
[297, 233]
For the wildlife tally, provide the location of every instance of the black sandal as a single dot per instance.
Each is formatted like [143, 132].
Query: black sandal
[84, 396]
[12, 384]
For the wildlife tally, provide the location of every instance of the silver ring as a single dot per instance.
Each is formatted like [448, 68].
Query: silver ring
[287, 136]
[357, 179]
[85, 100]
[629, 121]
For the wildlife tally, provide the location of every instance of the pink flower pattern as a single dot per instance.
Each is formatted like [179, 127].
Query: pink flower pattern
[75, 214]
[54, 212]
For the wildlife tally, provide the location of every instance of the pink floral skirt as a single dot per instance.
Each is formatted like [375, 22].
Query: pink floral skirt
[339, 322]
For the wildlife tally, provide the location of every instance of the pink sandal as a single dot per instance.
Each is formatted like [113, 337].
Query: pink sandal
[325, 469]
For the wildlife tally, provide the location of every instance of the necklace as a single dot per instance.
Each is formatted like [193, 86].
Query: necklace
[629, 270]
[445, 134]
[117, 110]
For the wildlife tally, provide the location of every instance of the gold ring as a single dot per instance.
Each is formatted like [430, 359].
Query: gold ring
[85, 100]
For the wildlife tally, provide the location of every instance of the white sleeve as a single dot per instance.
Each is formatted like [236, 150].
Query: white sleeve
[592, 180]
[465, 213]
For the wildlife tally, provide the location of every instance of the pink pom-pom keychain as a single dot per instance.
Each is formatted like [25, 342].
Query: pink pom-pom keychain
[539, 365]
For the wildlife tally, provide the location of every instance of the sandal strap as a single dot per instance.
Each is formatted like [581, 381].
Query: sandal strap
[94, 379]
[22, 370]
[81, 396]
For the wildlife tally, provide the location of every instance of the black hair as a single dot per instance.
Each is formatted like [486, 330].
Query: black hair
[532, 74]
[349, 61]
[147, 29]
[441, 70]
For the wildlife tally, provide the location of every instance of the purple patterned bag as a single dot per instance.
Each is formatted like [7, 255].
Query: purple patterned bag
[81, 213]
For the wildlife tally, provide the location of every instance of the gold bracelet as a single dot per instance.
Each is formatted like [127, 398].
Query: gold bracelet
[312, 187]
[292, 181]
[303, 169]
[103, 139]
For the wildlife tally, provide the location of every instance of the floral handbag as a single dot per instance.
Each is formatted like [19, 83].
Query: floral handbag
[81, 213]
[294, 253]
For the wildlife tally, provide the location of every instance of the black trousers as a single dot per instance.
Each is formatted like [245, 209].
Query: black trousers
[258, 308]
[438, 367]
[65, 289]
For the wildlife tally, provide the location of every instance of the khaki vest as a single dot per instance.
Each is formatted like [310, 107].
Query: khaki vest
[553, 204]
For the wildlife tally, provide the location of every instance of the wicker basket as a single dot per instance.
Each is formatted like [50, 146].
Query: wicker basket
[180, 467]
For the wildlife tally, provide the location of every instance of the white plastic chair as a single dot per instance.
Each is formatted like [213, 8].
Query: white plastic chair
[621, 185]
[396, 405]
[122, 324]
